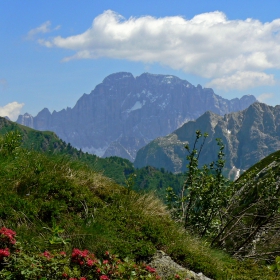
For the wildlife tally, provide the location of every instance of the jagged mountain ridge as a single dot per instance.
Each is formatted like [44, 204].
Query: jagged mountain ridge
[248, 136]
[124, 113]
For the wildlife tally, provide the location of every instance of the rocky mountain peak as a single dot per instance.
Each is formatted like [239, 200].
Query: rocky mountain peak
[124, 113]
[248, 136]
[26, 120]
[44, 113]
[117, 77]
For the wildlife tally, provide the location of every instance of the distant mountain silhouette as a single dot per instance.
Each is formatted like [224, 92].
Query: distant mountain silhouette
[124, 113]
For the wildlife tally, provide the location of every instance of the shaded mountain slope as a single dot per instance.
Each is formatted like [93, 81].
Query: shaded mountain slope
[248, 136]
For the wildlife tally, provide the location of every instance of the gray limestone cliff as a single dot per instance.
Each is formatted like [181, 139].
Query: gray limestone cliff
[124, 113]
[248, 136]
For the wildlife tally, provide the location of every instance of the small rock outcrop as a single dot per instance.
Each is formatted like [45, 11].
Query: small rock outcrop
[167, 268]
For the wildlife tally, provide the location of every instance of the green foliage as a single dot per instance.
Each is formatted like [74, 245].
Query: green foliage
[150, 179]
[56, 240]
[10, 142]
[252, 218]
[130, 182]
[276, 266]
[204, 194]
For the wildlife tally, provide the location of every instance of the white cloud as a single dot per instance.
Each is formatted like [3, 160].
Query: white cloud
[242, 80]
[43, 28]
[12, 110]
[208, 45]
[263, 97]
[3, 84]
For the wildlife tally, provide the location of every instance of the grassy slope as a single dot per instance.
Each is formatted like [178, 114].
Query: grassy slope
[264, 162]
[118, 169]
[39, 189]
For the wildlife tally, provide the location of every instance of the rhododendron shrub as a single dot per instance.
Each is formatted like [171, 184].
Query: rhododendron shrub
[7, 242]
[4, 253]
[79, 265]
[7, 237]
[110, 267]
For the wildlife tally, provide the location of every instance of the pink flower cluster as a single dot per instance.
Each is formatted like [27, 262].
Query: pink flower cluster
[87, 261]
[7, 235]
[83, 257]
[150, 269]
[47, 254]
[7, 242]
[104, 277]
[4, 253]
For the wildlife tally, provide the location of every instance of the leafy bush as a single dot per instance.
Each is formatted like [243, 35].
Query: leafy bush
[204, 194]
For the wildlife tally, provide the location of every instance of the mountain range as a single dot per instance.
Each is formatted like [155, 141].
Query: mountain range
[248, 136]
[124, 113]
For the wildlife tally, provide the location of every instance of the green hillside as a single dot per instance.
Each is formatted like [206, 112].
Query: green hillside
[253, 218]
[118, 169]
[56, 204]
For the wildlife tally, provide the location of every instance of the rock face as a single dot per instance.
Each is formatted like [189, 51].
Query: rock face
[248, 136]
[124, 113]
[166, 268]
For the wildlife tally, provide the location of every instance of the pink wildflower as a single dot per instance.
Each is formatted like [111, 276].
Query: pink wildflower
[4, 253]
[76, 253]
[104, 277]
[8, 234]
[47, 254]
[150, 269]
[90, 262]
[84, 253]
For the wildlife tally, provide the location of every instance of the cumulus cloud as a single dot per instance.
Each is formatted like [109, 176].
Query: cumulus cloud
[3, 84]
[263, 97]
[12, 110]
[242, 80]
[43, 28]
[208, 45]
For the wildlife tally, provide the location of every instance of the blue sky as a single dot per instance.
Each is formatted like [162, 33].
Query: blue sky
[52, 52]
